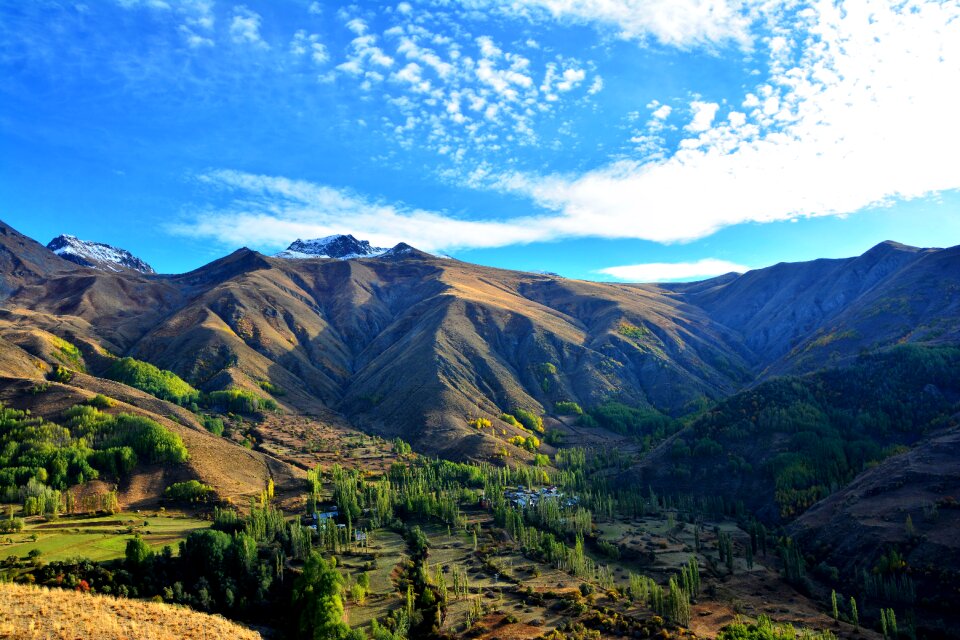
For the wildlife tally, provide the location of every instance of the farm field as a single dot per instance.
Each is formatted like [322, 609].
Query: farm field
[97, 538]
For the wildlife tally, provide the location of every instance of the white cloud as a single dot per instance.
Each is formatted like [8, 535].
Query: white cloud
[703, 115]
[150, 4]
[245, 28]
[271, 212]
[304, 44]
[315, 8]
[678, 23]
[570, 79]
[194, 40]
[672, 271]
[197, 15]
[661, 112]
[861, 113]
[457, 93]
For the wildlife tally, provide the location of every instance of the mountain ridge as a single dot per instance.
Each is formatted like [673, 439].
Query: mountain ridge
[417, 345]
[97, 255]
[338, 246]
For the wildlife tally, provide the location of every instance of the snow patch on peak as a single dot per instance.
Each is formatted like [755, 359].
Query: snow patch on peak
[340, 247]
[97, 255]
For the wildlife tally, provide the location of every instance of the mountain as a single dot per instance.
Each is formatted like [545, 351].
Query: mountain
[788, 443]
[406, 343]
[341, 247]
[97, 255]
[798, 317]
[853, 530]
[24, 260]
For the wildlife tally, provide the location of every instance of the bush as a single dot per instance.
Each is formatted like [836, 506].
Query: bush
[567, 408]
[60, 374]
[189, 491]
[213, 425]
[239, 401]
[630, 421]
[161, 383]
[148, 439]
[271, 388]
[548, 369]
[509, 419]
[11, 525]
[530, 420]
[530, 443]
[100, 401]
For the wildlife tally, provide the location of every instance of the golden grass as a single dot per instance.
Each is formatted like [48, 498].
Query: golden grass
[35, 612]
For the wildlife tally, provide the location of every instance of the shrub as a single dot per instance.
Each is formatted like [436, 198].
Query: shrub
[631, 421]
[529, 420]
[239, 401]
[271, 388]
[509, 419]
[480, 423]
[632, 331]
[68, 353]
[213, 424]
[12, 525]
[100, 401]
[189, 491]
[530, 443]
[60, 374]
[148, 439]
[567, 408]
[161, 383]
[548, 369]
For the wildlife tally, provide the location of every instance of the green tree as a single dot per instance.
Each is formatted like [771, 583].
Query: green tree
[317, 595]
[137, 551]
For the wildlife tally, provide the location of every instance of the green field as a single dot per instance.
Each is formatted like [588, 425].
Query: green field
[97, 538]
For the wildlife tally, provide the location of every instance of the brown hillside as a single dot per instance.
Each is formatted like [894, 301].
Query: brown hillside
[416, 345]
[234, 471]
[28, 612]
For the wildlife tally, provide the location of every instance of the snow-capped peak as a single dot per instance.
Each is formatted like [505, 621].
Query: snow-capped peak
[341, 247]
[97, 255]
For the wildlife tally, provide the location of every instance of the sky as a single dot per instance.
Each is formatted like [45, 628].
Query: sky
[637, 140]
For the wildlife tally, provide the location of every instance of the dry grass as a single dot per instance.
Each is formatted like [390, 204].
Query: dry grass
[36, 612]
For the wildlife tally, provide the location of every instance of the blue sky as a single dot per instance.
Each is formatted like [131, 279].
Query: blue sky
[636, 140]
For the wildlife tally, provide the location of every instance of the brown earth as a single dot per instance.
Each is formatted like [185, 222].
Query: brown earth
[39, 613]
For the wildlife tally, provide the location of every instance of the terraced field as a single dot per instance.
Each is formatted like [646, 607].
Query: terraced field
[97, 538]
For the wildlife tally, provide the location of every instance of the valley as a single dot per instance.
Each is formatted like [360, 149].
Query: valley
[507, 454]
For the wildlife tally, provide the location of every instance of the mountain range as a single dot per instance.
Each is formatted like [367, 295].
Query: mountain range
[401, 342]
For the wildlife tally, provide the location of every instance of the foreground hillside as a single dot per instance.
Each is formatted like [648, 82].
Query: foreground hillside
[786, 444]
[35, 612]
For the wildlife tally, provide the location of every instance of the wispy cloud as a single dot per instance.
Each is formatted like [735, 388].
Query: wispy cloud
[454, 92]
[676, 23]
[271, 212]
[672, 271]
[859, 111]
[245, 28]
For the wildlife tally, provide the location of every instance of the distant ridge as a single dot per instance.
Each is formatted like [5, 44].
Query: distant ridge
[340, 247]
[97, 255]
